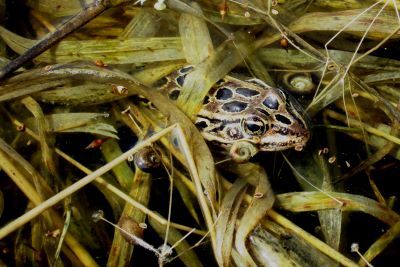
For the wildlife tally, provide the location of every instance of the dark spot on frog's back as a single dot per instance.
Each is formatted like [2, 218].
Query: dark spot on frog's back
[271, 102]
[201, 124]
[220, 82]
[206, 100]
[246, 92]
[223, 94]
[174, 94]
[283, 119]
[161, 82]
[263, 111]
[234, 106]
[186, 69]
[180, 80]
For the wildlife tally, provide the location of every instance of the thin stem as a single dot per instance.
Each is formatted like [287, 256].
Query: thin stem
[54, 37]
[362, 39]
[368, 128]
[14, 225]
[298, 174]
[395, 31]
[117, 191]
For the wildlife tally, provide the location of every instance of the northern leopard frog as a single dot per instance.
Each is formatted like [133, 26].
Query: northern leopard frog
[236, 110]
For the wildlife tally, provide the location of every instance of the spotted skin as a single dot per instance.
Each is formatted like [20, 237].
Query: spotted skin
[237, 110]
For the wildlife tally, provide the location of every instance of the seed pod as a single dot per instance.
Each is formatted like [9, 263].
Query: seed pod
[284, 43]
[298, 83]
[299, 148]
[242, 151]
[100, 63]
[119, 89]
[160, 5]
[223, 9]
[331, 66]
[147, 159]
[21, 127]
[98, 215]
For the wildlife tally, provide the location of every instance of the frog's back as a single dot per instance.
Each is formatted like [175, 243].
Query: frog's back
[236, 110]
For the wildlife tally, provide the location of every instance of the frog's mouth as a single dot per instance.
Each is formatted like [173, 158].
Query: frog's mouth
[278, 142]
[292, 133]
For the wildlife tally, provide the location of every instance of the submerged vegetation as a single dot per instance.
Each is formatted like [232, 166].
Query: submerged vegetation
[79, 113]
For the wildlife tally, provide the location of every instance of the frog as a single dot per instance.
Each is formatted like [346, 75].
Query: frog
[237, 110]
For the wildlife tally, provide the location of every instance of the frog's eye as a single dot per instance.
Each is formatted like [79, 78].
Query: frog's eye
[254, 125]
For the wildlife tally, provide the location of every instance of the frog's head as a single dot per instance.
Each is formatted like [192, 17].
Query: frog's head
[278, 123]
